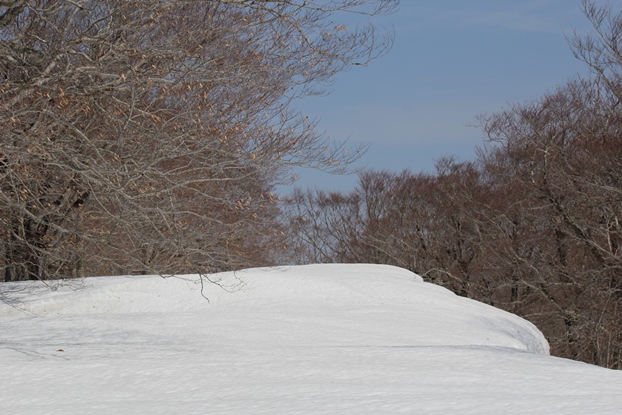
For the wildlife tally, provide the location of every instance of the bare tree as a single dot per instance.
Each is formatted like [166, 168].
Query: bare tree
[532, 226]
[147, 136]
[418, 222]
[561, 155]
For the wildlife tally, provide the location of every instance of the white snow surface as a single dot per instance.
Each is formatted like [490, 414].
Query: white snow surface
[316, 339]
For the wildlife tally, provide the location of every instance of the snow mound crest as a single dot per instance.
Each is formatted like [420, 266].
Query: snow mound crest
[393, 306]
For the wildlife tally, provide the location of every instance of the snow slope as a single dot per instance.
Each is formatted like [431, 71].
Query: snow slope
[318, 339]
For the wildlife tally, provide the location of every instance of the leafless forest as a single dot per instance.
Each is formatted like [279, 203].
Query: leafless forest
[148, 137]
[532, 226]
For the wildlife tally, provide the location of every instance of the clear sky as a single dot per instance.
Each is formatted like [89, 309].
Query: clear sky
[452, 60]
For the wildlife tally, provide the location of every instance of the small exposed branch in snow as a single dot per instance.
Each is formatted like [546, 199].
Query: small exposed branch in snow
[201, 276]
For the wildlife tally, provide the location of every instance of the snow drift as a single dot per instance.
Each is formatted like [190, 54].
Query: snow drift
[310, 339]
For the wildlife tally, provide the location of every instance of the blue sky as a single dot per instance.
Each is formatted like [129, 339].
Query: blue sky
[452, 60]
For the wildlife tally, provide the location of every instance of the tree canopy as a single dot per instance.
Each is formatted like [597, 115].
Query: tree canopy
[147, 136]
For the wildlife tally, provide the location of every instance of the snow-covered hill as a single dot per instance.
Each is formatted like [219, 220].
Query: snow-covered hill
[319, 339]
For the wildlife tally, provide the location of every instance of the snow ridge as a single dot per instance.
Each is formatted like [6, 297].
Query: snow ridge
[316, 339]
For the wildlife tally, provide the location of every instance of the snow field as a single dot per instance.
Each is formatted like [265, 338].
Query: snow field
[317, 339]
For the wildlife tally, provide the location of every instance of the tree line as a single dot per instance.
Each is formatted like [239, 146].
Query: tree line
[533, 225]
[143, 136]
[148, 137]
